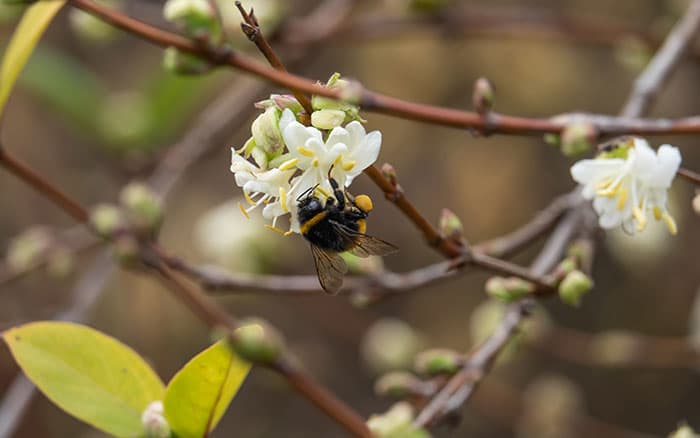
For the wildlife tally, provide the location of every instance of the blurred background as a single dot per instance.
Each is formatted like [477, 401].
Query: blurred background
[95, 109]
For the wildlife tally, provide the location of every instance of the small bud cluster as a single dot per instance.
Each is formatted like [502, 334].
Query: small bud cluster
[37, 246]
[396, 422]
[508, 289]
[257, 341]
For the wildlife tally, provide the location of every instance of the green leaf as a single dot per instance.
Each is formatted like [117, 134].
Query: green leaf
[200, 392]
[88, 374]
[34, 21]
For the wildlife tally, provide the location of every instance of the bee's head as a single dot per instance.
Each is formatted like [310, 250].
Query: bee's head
[364, 203]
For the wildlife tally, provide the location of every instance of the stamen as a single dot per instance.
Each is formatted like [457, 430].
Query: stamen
[289, 164]
[305, 152]
[248, 199]
[622, 199]
[657, 213]
[348, 165]
[315, 162]
[275, 229]
[245, 213]
[670, 223]
[322, 191]
[283, 200]
[288, 233]
[338, 160]
[640, 217]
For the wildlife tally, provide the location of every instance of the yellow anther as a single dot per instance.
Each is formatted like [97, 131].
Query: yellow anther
[607, 193]
[348, 165]
[315, 162]
[289, 164]
[248, 199]
[364, 203]
[640, 217]
[288, 233]
[657, 213]
[275, 229]
[622, 199]
[337, 160]
[245, 213]
[305, 152]
[322, 191]
[283, 200]
[670, 223]
[604, 184]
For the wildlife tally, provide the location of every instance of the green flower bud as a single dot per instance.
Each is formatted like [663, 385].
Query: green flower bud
[450, 226]
[60, 262]
[281, 102]
[578, 138]
[483, 96]
[106, 219]
[437, 361]
[177, 62]
[266, 133]
[390, 344]
[508, 289]
[327, 118]
[127, 250]
[574, 286]
[196, 18]
[684, 431]
[27, 249]
[565, 266]
[91, 28]
[257, 341]
[350, 93]
[389, 173]
[153, 420]
[397, 422]
[399, 384]
[615, 348]
[552, 139]
[144, 208]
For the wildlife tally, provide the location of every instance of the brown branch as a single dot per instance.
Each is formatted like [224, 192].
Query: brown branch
[655, 75]
[690, 175]
[372, 101]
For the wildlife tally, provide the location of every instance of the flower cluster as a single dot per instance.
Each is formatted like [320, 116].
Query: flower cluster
[289, 159]
[629, 183]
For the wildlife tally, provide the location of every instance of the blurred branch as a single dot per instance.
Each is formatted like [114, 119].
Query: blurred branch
[372, 101]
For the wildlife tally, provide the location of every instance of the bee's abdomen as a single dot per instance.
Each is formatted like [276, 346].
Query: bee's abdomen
[323, 235]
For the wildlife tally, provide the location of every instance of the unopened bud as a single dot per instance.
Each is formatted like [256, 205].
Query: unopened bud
[437, 361]
[508, 289]
[483, 96]
[257, 341]
[566, 266]
[177, 62]
[60, 262]
[350, 97]
[266, 132]
[27, 249]
[281, 102]
[574, 286]
[399, 384]
[450, 226]
[327, 118]
[581, 251]
[153, 420]
[126, 250]
[615, 348]
[196, 18]
[106, 219]
[577, 138]
[684, 431]
[396, 422]
[696, 203]
[143, 207]
[390, 344]
[389, 173]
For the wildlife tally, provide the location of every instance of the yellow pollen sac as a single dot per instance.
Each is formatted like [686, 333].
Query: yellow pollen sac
[305, 152]
[283, 200]
[322, 191]
[288, 233]
[364, 203]
[670, 223]
[640, 217]
[289, 164]
[338, 160]
[275, 229]
[315, 162]
[657, 213]
[248, 199]
[348, 165]
[622, 199]
[245, 213]
[607, 193]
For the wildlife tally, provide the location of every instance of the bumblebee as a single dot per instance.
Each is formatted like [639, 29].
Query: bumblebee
[337, 226]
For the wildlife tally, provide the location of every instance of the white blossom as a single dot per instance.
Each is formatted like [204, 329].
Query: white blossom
[630, 184]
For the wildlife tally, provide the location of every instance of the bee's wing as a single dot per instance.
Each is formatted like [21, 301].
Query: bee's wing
[330, 268]
[364, 245]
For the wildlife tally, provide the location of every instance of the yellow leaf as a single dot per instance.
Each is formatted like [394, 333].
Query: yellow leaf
[33, 24]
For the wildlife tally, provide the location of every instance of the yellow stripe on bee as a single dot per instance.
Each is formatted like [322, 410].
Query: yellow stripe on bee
[306, 226]
[305, 152]
[361, 226]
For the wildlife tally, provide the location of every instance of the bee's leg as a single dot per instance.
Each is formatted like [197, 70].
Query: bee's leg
[339, 196]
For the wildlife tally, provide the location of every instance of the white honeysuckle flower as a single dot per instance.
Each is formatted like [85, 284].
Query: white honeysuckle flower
[264, 187]
[629, 184]
[349, 150]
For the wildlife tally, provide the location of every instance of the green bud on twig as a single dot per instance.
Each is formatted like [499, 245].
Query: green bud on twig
[437, 361]
[389, 173]
[350, 95]
[508, 289]
[450, 226]
[27, 249]
[327, 118]
[578, 138]
[177, 62]
[127, 250]
[257, 341]
[60, 262]
[400, 384]
[574, 286]
[143, 208]
[106, 219]
[483, 96]
[397, 422]
[196, 18]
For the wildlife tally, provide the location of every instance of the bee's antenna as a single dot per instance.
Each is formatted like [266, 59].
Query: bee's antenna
[330, 170]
